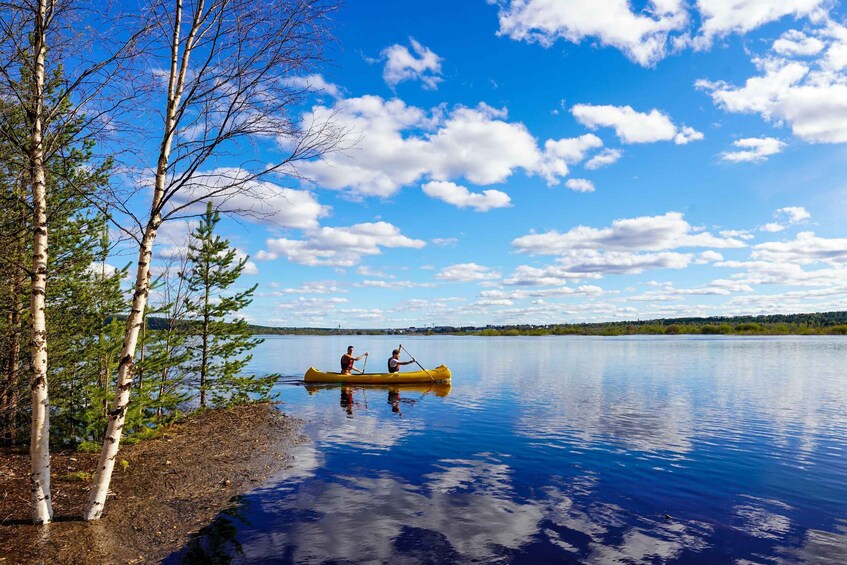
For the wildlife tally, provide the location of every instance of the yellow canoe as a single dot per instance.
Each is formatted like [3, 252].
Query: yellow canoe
[439, 374]
[441, 388]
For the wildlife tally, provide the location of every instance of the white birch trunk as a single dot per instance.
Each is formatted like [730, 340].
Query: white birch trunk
[42, 508]
[117, 415]
[126, 367]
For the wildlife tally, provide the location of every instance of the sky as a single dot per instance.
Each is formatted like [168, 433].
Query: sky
[558, 161]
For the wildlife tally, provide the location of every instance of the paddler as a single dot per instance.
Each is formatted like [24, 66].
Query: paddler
[347, 361]
[394, 362]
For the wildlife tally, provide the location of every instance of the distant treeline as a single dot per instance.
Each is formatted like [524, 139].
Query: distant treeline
[823, 323]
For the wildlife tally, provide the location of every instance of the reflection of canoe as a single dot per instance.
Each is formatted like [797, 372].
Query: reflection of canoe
[441, 373]
[439, 389]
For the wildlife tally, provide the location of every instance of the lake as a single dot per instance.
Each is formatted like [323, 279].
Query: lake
[687, 449]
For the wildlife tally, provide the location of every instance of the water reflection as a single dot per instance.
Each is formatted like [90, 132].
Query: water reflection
[355, 397]
[631, 450]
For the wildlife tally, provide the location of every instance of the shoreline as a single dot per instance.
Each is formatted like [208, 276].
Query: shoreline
[172, 487]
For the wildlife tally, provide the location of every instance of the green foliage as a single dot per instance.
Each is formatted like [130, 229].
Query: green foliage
[77, 477]
[221, 342]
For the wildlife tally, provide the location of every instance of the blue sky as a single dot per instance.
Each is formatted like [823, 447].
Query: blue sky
[543, 161]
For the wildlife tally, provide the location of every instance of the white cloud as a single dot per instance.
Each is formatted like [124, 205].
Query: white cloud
[721, 17]
[641, 36]
[392, 285]
[573, 150]
[250, 267]
[366, 271]
[797, 43]
[603, 159]
[753, 149]
[399, 145]
[401, 64]
[461, 197]
[590, 264]
[810, 96]
[740, 234]
[445, 241]
[311, 287]
[645, 233]
[632, 126]
[467, 272]
[520, 294]
[316, 83]
[708, 257]
[787, 216]
[644, 35]
[580, 185]
[805, 249]
[793, 214]
[258, 201]
[341, 247]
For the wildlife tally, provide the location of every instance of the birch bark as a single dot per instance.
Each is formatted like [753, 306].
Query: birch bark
[42, 508]
[117, 415]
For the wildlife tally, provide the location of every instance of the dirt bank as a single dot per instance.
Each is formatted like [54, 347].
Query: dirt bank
[166, 491]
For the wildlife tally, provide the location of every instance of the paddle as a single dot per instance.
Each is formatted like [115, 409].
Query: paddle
[365, 364]
[416, 361]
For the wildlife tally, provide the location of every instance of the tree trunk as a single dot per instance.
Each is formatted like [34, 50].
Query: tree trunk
[117, 415]
[42, 508]
[205, 352]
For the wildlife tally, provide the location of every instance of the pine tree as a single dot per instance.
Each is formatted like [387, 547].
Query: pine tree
[221, 344]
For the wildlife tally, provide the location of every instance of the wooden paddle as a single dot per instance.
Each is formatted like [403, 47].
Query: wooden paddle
[365, 364]
[416, 361]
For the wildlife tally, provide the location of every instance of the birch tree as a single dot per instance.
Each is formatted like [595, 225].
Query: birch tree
[29, 30]
[219, 69]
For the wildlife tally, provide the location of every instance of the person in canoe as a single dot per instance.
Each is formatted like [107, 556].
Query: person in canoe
[347, 361]
[394, 362]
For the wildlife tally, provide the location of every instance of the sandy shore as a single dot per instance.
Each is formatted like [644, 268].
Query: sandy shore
[171, 487]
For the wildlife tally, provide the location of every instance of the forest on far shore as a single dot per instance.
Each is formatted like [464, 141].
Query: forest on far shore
[818, 323]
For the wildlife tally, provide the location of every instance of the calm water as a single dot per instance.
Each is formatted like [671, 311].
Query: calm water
[595, 450]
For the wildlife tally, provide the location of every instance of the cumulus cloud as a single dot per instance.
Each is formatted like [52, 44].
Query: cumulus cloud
[772, 227]
[628, 246]
[793, 214]
[310, 287]
[787, 216]
[721, 17]
[634, 127]
[647, 35]
[604, 159]
[805, 249]
[232, 191]
[400, 145]
[392, 285]
[641, 36]
[645, 233]
[419, 64]
[467, 272]
[341, 247]
[520, 294]
[797, 43]
[753, 149]
[461, 197]
[708, 257]
[810, 96]
[316, 83]
[580, 185]
[590, 264]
